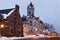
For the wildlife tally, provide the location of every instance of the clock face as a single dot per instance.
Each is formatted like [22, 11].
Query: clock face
[29, 12]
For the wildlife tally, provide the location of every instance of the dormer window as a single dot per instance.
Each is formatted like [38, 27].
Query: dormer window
[29, 12]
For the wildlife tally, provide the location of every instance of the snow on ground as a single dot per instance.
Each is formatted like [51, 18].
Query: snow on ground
[11, 38]
[4, 38]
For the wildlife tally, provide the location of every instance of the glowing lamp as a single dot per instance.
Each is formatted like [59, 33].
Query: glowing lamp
[2, 25]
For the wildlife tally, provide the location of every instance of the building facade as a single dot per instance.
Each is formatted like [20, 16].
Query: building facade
[11, 24]
[35, 25]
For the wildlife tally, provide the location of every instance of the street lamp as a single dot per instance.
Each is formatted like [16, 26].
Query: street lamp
[2, 25]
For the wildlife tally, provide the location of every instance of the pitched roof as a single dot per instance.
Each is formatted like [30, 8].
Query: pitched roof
[6, 12]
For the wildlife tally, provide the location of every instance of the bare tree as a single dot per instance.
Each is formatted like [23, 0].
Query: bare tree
[49, 27]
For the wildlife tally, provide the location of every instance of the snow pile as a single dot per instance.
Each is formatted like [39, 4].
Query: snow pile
[4, 38]
[12, 38]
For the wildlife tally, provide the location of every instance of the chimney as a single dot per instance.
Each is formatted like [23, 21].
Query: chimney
[17, 7]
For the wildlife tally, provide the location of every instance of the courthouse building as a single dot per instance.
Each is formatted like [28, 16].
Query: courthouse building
[32, 25]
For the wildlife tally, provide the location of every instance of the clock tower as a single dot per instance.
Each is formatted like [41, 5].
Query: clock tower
[30, 10]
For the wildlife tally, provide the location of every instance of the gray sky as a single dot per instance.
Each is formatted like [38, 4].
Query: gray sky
[47, 10]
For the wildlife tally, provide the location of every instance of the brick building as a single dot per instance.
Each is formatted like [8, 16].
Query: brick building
[11, 22]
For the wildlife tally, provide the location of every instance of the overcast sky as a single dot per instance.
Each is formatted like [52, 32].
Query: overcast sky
[47, 10]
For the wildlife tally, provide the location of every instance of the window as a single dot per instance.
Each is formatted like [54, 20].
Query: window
[30, 21]
[34, 24]
[19, 32]
[29, 12]
[31, 24]
[12, 21]
[12, 29]
[19, 24]
[0, 20]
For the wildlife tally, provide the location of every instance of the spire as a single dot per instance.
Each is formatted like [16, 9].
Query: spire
[31, 4]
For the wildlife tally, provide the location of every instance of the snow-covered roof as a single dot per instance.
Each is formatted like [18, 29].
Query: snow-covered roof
[5, 13]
